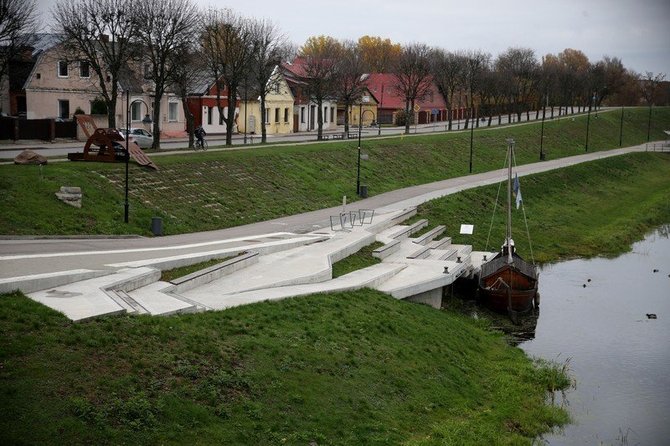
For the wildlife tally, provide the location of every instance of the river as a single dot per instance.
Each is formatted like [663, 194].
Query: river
[594, 313]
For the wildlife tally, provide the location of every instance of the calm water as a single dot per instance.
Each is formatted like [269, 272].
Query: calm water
[619, 358]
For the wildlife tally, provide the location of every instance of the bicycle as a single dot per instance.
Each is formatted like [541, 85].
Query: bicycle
[200, 146]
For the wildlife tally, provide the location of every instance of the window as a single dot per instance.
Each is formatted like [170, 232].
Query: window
[286, 115]
[332, 114]
[325, 114]
[63, 108]
[84, 69]
[62, 68]
[302, 115]
[147, 71]
[172, 111]
[276, 115]
[266, 117]
[209, 115]
[136, 111]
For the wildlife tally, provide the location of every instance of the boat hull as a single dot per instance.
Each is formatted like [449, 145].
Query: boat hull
[508, 289]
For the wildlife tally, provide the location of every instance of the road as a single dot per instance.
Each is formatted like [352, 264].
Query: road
[60, 149]
[22, 256]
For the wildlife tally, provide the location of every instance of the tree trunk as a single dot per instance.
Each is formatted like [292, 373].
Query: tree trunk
[156, 129]
[407, 114]
[111, 112]
[347, 107]
[319, 119]
[230, 119]
[264, 130]
[190, 121]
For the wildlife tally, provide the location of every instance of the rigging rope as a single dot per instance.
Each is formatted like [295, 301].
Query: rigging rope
[525, 220]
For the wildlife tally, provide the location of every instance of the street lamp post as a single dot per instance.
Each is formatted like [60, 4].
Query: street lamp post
[649, 123]
[246, 106]
[544, 110]
[472, 136]
[588, 122]
[126, 205]
[365, 99]
[621, 128]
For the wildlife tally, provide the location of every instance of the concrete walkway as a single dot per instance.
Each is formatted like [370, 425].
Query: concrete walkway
[121, 275]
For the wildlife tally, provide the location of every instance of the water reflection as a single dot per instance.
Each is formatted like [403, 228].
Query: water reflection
[595, 312]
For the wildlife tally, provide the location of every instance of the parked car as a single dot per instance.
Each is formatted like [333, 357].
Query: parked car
[143, 138]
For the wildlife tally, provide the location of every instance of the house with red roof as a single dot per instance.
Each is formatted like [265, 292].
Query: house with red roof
[432, 107]
[305, 107]
[203, 104]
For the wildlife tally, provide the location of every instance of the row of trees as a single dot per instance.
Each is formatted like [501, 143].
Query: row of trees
[183, 46]
[176, 46]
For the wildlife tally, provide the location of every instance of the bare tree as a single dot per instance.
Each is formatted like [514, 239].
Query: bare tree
[475, 64]
[521, 68]
[413, 76]
[446, 69]
[269, 48]
[227, 44]
[17, 23]
[350, 84]
[99, 32]
[164, 27]
[189, 66]
[319, 57]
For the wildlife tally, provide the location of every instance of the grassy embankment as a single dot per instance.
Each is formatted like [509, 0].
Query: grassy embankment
[203, 191]
[349, 368]
[593, 209]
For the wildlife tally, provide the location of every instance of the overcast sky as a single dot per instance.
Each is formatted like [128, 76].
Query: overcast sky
[636, 31]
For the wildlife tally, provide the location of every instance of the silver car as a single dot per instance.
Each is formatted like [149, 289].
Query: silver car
[143, 138]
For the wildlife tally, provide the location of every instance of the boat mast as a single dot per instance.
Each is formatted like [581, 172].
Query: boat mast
[510, 149]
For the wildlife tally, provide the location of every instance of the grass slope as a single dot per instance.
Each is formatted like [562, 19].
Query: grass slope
[596, 208]
[204, 191]
[349, 368]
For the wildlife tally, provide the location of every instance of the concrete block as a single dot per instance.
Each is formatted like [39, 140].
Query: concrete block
[384, 251]
[207, 275]
[430, 235]
[37, 282]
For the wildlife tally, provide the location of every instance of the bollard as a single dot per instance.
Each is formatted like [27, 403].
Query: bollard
[156, 226]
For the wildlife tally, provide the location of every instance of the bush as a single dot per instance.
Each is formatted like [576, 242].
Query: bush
[98, 107]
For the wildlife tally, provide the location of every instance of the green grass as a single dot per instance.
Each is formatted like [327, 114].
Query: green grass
[359, 260]
[340, 369]
[591, 209]
[213, 190]
[175, 273]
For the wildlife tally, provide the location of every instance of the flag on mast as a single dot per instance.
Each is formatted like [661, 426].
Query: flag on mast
[517, 190]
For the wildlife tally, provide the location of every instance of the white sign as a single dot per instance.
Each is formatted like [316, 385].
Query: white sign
[467, 229]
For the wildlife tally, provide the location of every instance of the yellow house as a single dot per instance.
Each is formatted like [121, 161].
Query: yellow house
[278, 113]
[365, 110]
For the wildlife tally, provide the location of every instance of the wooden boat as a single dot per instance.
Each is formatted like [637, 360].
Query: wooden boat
[507, 282]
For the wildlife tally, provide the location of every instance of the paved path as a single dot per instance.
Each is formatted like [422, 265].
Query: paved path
[32, 256]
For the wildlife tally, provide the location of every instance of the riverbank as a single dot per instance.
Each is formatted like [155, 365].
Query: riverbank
[350, 368]
[597, 208]
[213, 190]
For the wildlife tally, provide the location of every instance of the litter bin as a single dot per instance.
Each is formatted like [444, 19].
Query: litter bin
[364, 191]
[157, 226]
